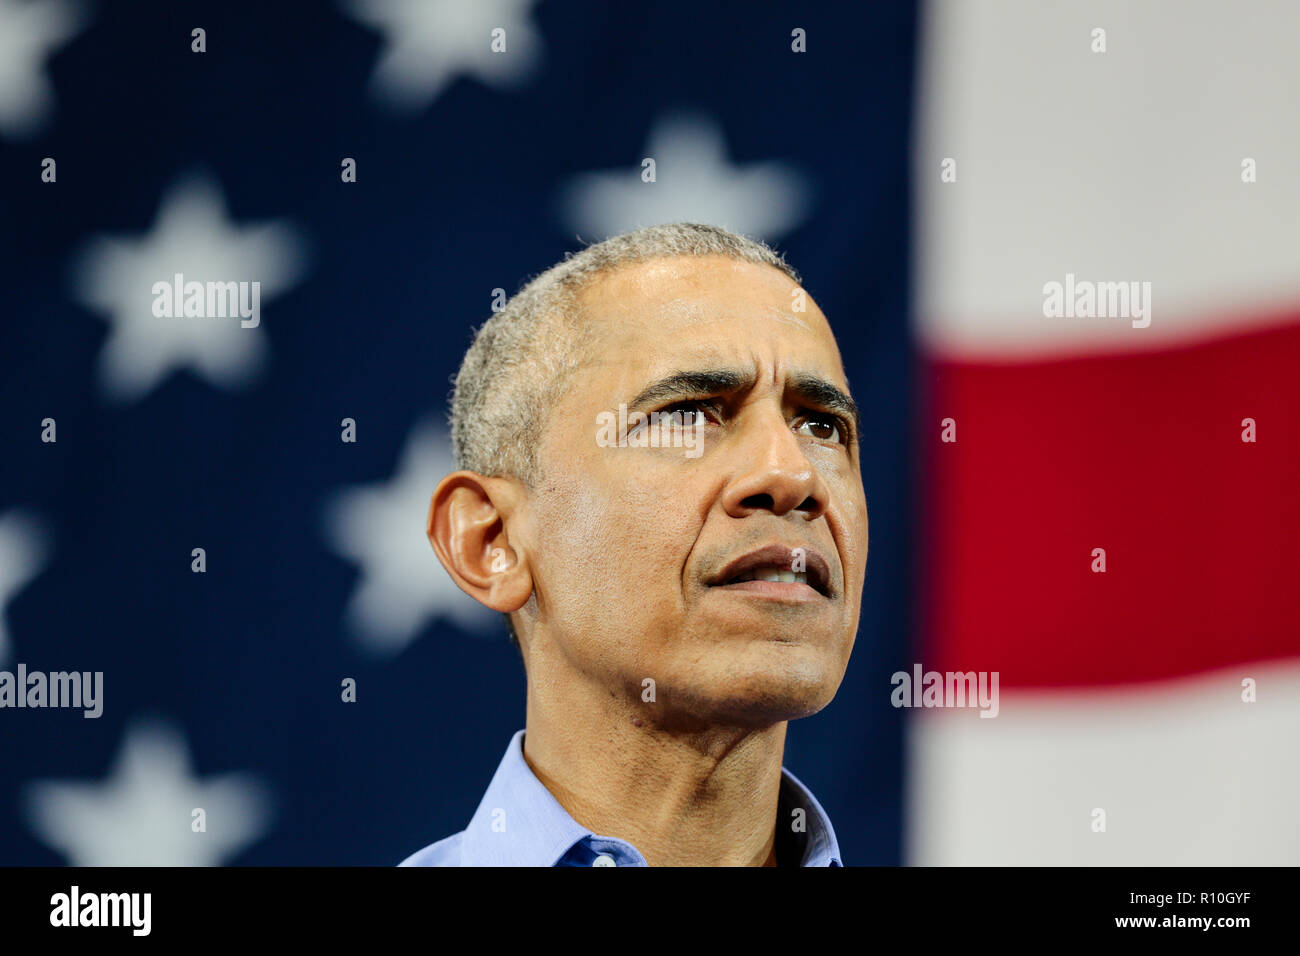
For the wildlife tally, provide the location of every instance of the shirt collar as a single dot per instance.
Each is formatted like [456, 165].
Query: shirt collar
[519, 822]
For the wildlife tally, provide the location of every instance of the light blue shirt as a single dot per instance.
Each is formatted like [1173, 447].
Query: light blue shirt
[519, 823]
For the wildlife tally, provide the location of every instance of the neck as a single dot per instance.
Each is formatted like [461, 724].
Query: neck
[683, 796]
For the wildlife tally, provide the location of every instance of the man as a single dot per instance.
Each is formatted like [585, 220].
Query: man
[679, 590]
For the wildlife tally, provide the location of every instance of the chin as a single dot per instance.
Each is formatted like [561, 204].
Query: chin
[780, 681]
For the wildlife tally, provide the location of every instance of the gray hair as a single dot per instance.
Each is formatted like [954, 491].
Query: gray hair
[522, 358]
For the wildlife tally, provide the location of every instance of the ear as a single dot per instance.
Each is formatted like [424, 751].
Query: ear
[468, 526]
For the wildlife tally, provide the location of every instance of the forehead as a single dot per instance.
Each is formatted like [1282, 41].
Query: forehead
[682, 311]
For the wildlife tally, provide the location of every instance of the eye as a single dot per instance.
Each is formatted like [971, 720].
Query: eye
[825, 428]
[691, 413]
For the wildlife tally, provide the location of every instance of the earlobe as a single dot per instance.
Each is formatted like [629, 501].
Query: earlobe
[468, 525]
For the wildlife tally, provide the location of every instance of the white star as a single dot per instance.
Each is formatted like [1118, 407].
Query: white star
[191, 236]
[427, 42]
[382, 528]
[29, 31]
[24, 546]
[142, 813]
[694, 182]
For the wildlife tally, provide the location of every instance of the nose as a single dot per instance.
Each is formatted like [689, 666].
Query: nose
[773, 472]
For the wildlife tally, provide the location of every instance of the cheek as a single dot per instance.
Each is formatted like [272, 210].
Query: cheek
[604, 550]
[854, 531]
[863, 549]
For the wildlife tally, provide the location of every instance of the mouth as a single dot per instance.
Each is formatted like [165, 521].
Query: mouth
[778, 571]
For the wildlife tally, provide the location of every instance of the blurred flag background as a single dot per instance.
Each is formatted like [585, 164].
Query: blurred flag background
[928, 169]
[1111, 142]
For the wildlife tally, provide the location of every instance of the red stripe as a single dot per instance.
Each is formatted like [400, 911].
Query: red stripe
[1139, 454]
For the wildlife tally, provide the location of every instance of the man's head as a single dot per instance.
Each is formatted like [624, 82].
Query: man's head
[619, 563]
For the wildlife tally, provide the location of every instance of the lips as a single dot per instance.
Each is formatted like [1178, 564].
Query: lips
[776, 563]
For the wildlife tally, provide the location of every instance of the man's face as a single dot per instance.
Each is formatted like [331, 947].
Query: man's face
[630, 547]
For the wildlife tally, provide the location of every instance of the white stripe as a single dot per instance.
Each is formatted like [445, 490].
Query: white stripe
[1115, 166]
[1186, 773]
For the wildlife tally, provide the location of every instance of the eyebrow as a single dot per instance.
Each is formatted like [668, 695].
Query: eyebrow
[723, 381]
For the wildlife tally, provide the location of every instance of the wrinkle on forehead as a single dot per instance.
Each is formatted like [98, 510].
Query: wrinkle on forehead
[635, 302]
[692, 310]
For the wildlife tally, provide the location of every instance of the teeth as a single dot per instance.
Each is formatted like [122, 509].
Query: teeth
[772, 574]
